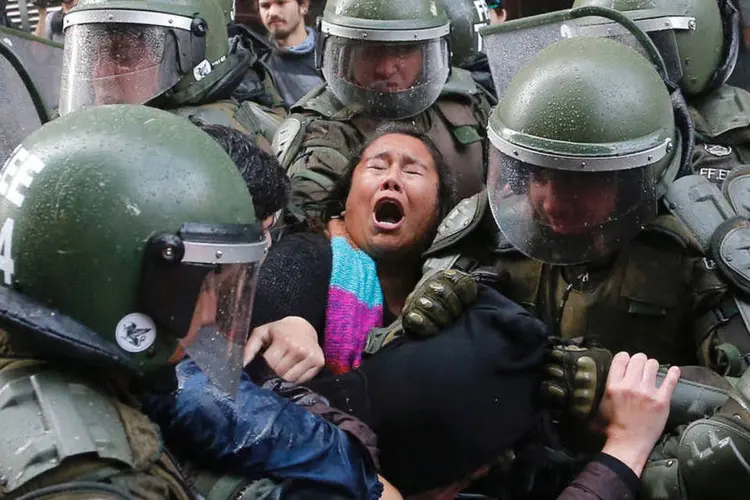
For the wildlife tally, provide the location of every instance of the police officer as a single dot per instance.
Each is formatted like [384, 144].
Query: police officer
[383, 60]
[577, 234]
[467, 18]
[120, 251]
[167, 55]
[570, 226]
[699, 40]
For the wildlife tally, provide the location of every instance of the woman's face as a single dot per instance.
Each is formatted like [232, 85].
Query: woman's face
[392, 206]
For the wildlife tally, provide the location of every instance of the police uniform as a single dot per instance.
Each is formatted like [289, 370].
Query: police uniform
[321, 136]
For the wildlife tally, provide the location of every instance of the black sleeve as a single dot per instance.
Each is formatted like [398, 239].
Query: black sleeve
[294, 280]
[625, 473]
[444, 406]
[604, 478]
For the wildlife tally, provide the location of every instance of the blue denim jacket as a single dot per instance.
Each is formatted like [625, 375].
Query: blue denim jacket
[259, 434]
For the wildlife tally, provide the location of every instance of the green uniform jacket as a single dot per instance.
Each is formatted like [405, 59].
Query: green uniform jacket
[79, 428]
[658, 295]
[721, 120]
[321, 136]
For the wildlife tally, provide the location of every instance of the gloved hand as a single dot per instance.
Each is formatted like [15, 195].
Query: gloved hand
[575, 379]
[437, 301]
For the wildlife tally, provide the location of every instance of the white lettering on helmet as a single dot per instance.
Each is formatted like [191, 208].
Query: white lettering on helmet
[17, 174]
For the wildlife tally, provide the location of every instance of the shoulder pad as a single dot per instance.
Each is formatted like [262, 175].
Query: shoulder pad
[725, 109]
[700, 206]
[709, 217]
[736, 188]
[265, 121]
[49, 416]
[713, 448]
[460, 83]
[321, 101]
[287, 140]
[459, 222]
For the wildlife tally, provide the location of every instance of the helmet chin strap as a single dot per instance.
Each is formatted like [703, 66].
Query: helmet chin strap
[678, 166]
[731, 23]
[686, 128]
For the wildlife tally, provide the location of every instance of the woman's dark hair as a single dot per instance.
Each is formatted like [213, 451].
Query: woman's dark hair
[263, 174]
[447, 199]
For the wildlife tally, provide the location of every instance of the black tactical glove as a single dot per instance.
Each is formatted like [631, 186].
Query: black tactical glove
[575, 379]
[437, 301]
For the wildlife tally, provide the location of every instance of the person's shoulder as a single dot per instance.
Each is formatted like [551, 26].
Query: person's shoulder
[321, 103]
[306, 244]
[723, 110]
[460, 84]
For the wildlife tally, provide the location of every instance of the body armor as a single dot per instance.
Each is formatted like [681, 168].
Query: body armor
[660, 294]
[62, 428]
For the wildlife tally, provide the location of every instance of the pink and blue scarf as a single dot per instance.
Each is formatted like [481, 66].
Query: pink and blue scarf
[355, 302]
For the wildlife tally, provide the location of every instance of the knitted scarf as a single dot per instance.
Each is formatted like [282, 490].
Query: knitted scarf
[355, 302]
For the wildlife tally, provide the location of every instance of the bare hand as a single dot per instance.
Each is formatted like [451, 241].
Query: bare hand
[634, 408]
[290, 347]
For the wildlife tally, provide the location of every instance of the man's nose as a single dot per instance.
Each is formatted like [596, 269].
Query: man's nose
[386, 66]
[275, 10]
[558, 195]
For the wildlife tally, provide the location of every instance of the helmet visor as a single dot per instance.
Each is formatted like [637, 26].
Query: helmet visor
[389, 80]
[511, 45]
[199, 287]
[567, 217]
[220, 324]
[661, 31]
[117, 64]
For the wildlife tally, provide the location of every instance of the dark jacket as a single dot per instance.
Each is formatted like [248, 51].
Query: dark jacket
[293, 71]
[259, 434]
[604, 478]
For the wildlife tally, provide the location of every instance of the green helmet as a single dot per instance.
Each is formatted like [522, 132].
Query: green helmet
[382, 58]
[135, 226]
[135, 51]
[466, 17]
[698, 39]
[580, 140]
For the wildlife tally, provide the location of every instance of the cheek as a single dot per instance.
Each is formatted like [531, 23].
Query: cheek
[603, 201]
[536, 195]
[358, 203]
[361, 72]
[425, 203]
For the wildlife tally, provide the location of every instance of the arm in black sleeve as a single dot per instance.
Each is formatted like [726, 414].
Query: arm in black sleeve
[604, 478]
[294, 280]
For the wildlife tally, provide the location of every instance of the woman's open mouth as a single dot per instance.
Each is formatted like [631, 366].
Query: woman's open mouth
[388, 214]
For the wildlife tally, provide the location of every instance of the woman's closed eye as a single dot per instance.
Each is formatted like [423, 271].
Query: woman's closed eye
[414, 169]
[377, 164]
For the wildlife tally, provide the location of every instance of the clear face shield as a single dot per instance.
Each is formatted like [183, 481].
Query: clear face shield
[513, 44]
[114, 61]
[382, 77]
[567, 216]
[199, 287]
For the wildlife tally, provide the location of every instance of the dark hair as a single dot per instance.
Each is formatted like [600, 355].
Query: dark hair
[299, 2]
[446, 192]
[261, 171]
